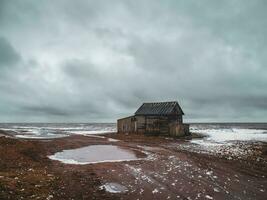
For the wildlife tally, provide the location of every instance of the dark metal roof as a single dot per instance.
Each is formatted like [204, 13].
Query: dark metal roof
[158, 108]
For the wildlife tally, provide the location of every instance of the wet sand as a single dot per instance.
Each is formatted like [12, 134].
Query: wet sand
[166, 170]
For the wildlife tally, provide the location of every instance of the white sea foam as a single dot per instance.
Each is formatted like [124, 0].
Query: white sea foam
[232, 134]
[48, 136]
[49, 131]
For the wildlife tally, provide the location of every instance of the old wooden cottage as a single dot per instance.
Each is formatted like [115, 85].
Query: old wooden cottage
[164, 118]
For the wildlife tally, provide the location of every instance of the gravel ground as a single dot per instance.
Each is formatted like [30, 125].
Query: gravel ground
[166, 168]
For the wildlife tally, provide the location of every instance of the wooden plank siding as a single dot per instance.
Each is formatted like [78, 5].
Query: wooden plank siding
[157, 125]
[126, 125]
[146, 124]
[177, 129]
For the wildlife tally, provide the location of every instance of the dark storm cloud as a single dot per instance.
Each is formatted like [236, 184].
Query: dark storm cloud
[97, 61]
[45, 110]
[8, 55]
[81, 70]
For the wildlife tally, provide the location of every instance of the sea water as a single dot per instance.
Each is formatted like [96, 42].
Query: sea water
[55, 130]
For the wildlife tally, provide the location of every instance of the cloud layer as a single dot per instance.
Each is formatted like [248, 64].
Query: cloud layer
[85, 61]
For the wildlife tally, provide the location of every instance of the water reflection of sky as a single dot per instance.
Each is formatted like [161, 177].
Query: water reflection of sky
[94, 154]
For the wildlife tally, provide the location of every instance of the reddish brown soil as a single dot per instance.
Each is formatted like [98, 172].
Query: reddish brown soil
[166, 173]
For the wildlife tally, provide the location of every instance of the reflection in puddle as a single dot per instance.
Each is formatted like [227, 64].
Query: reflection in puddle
[94, 154]
[114, 188]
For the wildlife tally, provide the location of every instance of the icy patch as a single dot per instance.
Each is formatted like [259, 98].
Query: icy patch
[90, 132]
[113, 140]
[208, 143]
[209, 172]
[114, 188]
[228, 150]
[155, 191]
[94, 154]
[49, 197]
[208, 197]
[95, 136]
[139, 174]
[149, 148]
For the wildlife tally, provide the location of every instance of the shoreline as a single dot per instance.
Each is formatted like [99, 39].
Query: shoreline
[171, 172]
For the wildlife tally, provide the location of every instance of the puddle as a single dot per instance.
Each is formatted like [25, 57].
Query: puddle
[114, 188]
[94, 154]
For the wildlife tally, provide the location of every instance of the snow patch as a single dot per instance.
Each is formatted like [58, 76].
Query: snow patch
[90, 132]
[113, 140]
[114, 188]
[155, 191]
[208, 197]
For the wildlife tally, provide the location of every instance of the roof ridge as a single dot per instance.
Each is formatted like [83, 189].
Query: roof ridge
[158, 102]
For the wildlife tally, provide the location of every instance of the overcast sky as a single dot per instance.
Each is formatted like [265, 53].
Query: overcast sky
[96, 61]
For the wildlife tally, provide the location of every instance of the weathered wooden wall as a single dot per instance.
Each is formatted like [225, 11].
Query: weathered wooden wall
[156, 125]
[126, 125]
[178, 129]
[175, 118]
[141, 124]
